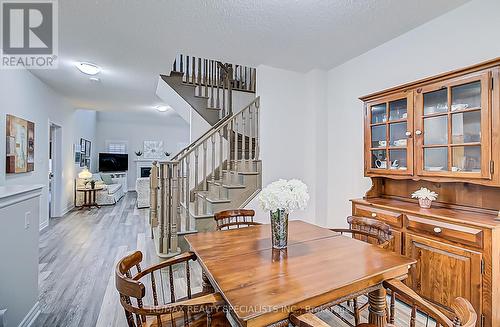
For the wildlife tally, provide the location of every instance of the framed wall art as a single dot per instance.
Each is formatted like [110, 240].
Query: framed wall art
[153, 149]
[20, 145]
[85, 146]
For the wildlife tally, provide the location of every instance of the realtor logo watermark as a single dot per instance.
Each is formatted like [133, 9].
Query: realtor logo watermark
[29, 36]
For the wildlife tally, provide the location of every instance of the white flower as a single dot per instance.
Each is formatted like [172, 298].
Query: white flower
[284, 195]
[425, 193]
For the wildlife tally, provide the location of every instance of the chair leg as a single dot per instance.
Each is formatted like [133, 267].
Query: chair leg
[356, 312]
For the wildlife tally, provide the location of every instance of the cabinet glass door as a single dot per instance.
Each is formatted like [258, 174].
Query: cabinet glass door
[452, 128]
[389, 137]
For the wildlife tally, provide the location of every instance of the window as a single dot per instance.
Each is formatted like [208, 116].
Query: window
[116, 146]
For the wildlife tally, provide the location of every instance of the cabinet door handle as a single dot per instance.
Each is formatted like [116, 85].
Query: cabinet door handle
[418, 132]
[408, 133]
[437, 230]
[374, 214]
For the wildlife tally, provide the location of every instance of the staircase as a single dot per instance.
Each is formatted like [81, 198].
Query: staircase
[209, 85]
[221, 169]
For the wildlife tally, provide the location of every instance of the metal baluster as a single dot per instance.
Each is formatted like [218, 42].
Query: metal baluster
[188, 195]
[221, 154]
[195, 188]
[236, 142]
[193, 73]
[212, 84]
[187, 70]
[229, 139]
[254, 79]
[217, 81]
[205, 185]
[230, 91]
[250, 133]
[174, 66]
[199, 76]
[245, 84]
[181, 181]
[243, 138]
[206, 77]
[182, 66]
[241, 77]
[212, 138]
[224, 80]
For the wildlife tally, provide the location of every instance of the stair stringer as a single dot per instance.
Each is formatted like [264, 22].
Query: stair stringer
[187, 92]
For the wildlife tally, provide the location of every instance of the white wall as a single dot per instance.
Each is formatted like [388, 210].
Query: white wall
[25, 96]
[135, 128]
[86, 128]
[464, 36]
[291, 103]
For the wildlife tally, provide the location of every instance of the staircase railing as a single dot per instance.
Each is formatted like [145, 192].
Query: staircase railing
[205, 72]
[225, 147]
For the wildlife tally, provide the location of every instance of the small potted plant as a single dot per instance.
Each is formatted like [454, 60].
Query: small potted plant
[425, 197]
[280, 198]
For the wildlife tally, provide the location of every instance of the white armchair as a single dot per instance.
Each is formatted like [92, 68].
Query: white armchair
[143, 192]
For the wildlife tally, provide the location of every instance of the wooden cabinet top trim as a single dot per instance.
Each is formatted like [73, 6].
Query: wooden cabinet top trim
[412, 85]
[478, 219]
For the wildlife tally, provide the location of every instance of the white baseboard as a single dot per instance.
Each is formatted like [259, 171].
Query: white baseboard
[30, 318]
[44, 225]
[67, 209]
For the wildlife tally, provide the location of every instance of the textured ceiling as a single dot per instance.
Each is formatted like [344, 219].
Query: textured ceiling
[134, 40]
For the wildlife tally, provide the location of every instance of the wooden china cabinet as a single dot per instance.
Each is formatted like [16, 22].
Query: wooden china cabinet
[443, 133]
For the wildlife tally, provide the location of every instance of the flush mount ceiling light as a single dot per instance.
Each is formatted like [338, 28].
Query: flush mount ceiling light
[88, 68]
[162, 108]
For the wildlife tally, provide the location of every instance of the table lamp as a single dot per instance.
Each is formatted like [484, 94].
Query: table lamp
[85, 174]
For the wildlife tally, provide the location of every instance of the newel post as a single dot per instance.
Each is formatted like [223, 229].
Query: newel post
[153, 196]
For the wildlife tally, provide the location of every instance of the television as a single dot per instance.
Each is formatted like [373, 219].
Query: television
[113, 162]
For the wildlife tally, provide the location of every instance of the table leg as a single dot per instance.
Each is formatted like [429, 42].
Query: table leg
[377, 309]
[205, 284]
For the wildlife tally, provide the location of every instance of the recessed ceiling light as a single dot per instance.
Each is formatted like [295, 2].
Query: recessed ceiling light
[88, 68]
[162, 108]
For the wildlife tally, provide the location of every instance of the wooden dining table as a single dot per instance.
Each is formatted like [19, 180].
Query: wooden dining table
[319, 268]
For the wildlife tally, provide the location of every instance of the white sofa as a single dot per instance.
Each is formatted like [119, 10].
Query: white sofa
[109, 195]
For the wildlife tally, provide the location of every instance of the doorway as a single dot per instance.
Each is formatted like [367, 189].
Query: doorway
[55, 167]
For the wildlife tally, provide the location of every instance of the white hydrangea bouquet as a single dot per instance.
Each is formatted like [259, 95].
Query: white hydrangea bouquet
[282, 197]
[425, 197]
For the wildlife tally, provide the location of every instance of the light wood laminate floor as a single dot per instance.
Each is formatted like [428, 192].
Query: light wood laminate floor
[78, 253]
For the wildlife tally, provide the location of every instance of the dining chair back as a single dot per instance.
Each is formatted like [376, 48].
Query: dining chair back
[465, 315]
[368, 230]
[233, 219]
[186, 310]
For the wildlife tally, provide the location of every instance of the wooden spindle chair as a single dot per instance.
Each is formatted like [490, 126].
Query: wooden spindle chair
[198, 310]
[465, 315]
[233, 219]
[371, 231]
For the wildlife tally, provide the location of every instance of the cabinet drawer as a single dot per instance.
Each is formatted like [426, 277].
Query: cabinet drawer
[392, 218]
[451, 232]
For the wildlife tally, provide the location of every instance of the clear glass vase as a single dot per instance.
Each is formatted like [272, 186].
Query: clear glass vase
[279, 229]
